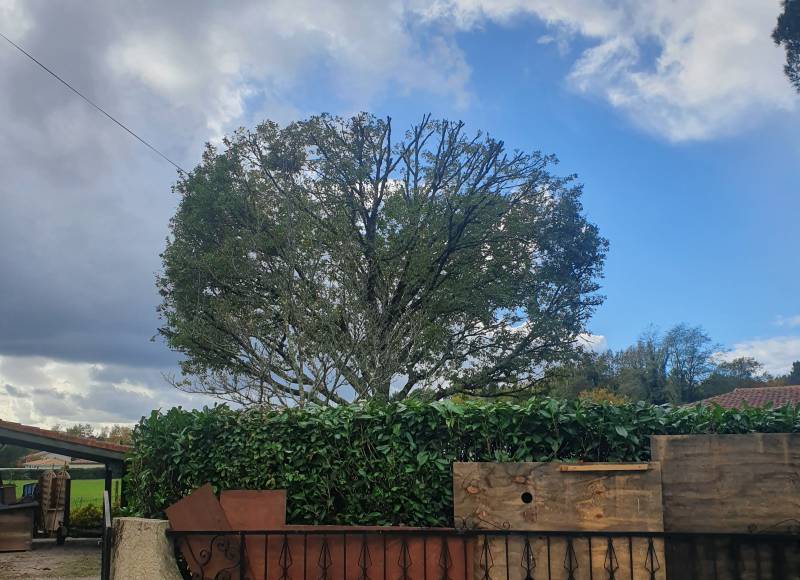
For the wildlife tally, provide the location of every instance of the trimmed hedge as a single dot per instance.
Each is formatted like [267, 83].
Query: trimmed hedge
[391, 464]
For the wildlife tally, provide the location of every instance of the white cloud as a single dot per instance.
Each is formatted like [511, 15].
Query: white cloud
[43, 392]
[683, 69]
[776, 354]
[14, 18]
[789, 321]
[85, 208]
[593, 342]
[220, 58]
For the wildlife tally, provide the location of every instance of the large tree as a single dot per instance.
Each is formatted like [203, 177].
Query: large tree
[329, 261]
[787, 33]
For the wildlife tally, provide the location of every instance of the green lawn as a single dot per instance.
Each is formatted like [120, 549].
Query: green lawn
[84, 491]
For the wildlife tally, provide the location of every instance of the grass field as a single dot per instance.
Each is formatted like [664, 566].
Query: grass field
[84, 491]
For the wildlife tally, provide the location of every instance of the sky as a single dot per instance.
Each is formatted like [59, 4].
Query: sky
[675, 115]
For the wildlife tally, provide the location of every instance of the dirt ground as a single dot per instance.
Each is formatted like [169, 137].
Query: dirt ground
[77, 559]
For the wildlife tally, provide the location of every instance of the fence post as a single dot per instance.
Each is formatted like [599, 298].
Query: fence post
[105, 559]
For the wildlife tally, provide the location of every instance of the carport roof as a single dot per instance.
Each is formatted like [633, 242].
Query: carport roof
[57, 442]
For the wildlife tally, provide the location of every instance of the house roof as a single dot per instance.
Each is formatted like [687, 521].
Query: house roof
[46, 462]
[756, 397]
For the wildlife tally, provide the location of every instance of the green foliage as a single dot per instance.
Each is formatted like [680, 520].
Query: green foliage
[682, 365]
[11, 454]
[602, 395]
[83, 491]
[787, 34]
[86, 517]
[793, 378]
[337, 260]
[391, 463]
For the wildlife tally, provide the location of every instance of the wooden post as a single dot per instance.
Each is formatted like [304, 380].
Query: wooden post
[67, 496]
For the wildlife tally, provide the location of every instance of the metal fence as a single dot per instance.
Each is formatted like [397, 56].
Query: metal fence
[444, 554]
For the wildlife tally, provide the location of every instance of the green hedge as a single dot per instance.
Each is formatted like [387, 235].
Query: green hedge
[391, 464]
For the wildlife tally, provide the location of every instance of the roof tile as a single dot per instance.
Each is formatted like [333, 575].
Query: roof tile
[756, 397]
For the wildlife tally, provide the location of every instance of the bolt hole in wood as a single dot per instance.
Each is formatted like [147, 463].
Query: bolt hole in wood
[527, 497]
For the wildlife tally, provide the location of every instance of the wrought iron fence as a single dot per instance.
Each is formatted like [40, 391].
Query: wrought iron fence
[450, 554]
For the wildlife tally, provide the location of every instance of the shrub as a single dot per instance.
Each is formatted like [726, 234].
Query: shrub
[86, 517]
[391, 463]
[602, 395]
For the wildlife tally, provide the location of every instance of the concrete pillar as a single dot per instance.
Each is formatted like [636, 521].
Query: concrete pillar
[142, 551]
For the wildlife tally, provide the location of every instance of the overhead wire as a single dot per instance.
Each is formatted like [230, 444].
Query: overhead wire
[93, 104]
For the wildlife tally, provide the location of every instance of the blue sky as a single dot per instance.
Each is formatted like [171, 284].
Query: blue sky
[674, 113]
[701, 231]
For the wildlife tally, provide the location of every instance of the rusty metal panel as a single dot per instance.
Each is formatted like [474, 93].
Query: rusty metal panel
[348, 554]
[275, 551]
[206, 556]
[254, 510]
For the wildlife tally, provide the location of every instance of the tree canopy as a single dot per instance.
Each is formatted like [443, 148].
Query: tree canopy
[787, 34]
[330, 261]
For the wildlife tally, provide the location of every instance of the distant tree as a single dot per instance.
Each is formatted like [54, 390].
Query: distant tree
[11, 454]
[643, 368]
[77, 430]
[787, 34]
[742, 372]
[603, 395]
[793, 378]
[691, 360]
[679, 366]
[329, 261]
[588, 370]
[119, 434]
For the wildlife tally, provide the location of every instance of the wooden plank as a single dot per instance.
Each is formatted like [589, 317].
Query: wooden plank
[16, 527]
[729, 483]
[604, 467]
[539, 496]
[8, 494]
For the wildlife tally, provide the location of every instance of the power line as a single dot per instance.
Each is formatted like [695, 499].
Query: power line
[93, 104]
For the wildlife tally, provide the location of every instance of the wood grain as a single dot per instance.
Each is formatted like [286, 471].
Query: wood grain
[604, 467]
[16, 527]
[729, 483]
[539, 496]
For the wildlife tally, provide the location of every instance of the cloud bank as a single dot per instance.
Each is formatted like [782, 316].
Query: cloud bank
[681, 69]
[85, 208]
